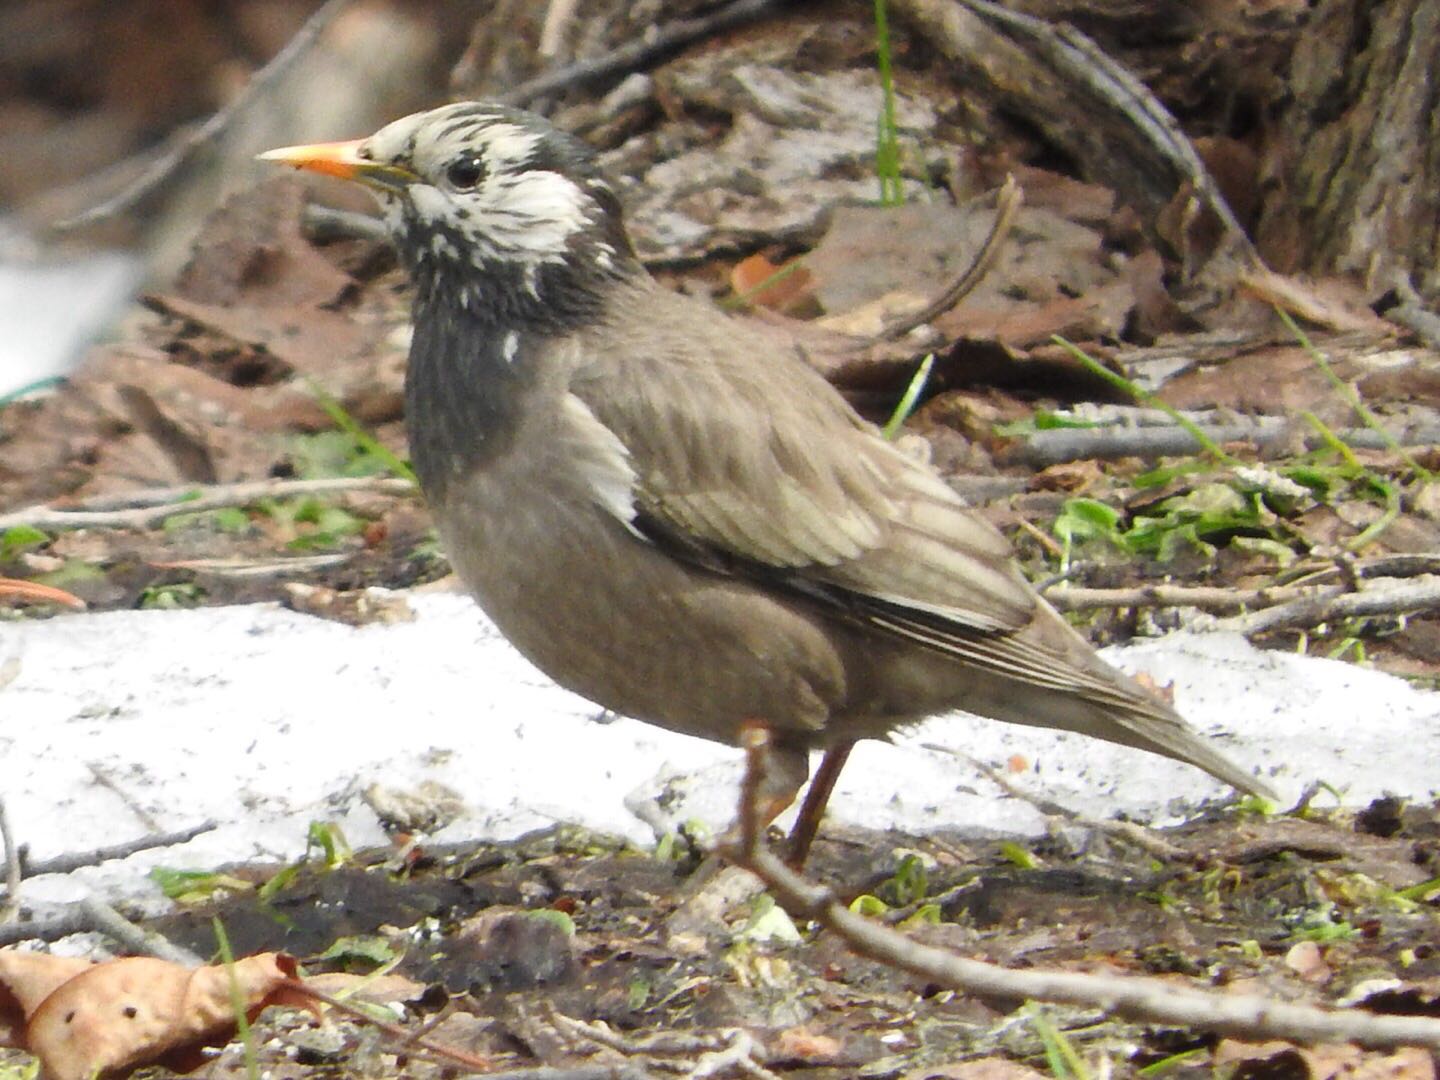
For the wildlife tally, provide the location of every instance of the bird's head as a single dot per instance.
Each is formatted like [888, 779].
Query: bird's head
[491, 208]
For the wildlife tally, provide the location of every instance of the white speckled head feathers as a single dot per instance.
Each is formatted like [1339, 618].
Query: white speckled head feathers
[496, 199]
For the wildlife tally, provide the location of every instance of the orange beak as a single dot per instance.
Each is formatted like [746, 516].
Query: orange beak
[342, 159]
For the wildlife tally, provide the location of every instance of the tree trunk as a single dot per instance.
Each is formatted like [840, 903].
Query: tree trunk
[1352, 167]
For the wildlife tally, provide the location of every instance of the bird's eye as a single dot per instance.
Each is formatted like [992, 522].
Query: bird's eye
[465, 172]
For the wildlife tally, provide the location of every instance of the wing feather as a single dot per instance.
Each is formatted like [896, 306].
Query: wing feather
[767, 470]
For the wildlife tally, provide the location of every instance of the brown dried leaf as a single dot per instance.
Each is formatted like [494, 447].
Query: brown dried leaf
[1281, 380]
[785, 288]
[1329, 1061]
[869, 252]
[1335, 303]
[1068, 476]
[307, 339]
[13, 590]
[27, 979]
[126, 1013]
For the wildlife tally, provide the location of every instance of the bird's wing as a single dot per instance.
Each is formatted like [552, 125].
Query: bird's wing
[743, 460]
[759, 468]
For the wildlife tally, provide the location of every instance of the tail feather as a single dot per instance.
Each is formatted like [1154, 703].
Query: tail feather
[1152, 726]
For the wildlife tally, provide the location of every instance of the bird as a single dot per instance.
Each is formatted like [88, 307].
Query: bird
[667, 510]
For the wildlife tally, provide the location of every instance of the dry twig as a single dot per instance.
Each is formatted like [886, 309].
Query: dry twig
[70, 921]
[1043, 448]
[1148, 1000]
[138, 941]
[11, 907]
[1206, 598]
[1422, 594]
[181, 145]
[643, 51]
[1216, 598]
[143, 509]
[405, 1037]
[63, 864]
[1007, 205]
[732, 1048]
[1055, 814]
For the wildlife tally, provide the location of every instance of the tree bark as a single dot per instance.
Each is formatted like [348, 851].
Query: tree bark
[1351, 168]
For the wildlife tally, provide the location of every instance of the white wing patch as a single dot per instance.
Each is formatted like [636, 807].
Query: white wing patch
[602, 461]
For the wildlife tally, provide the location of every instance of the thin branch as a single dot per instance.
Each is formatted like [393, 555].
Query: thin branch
[63, 864]
[1147, 840]
[1008, 201]
[712, 1053]
[643, 51]
[136, 940]
[559, 14]
[11, 907]
[473, 1062]
[324, 224]
[1147, 1000]
[662, 1043]
[395, 1031]
[184, 144]
[1419, 595]
[143, 509]
[1052, 447]
[1207, 598]
[70, 921]
[104, 779]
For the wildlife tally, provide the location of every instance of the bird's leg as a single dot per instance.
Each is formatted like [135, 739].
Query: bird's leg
[770, 788]
[813, 808]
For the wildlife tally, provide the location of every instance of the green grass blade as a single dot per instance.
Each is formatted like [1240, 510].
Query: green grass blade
[237, 1001]
[908, 399]
[1145, 398]
[1350, 395]
[887, 139]
[348, 424]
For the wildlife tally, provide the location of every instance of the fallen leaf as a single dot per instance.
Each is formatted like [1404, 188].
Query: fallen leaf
[30, 592]
[785, 288]
[116, 1016]
[1328, 1061]
[28, 979]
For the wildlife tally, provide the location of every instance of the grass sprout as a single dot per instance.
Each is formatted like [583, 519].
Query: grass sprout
[887, 135]
[370, 445]
[1351, 396]
[237, 1002]
[1145, 398]
[908, 399]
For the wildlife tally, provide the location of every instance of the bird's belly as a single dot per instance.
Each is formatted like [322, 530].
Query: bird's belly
[611, 617]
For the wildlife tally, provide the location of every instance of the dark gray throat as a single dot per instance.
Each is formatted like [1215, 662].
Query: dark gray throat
[464, 389]
[480, 332]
